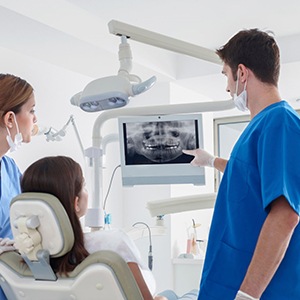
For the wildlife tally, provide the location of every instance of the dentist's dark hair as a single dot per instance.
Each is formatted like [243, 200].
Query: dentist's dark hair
[255, 49]
[62, 177]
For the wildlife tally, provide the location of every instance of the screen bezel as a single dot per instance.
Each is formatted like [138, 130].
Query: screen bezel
[164, 173]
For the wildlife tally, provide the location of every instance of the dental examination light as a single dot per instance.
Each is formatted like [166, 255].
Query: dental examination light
[95, 214]
[113, 91]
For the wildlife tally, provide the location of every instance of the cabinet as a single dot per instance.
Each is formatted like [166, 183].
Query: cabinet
[187, 274]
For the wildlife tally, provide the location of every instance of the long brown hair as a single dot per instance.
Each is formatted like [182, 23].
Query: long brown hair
[14, 93]
[62, 177]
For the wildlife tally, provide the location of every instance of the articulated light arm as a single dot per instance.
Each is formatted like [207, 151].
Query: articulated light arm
[180, 204]
[162, 41]
[95, 217]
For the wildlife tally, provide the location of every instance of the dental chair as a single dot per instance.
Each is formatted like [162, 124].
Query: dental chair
[41, 229]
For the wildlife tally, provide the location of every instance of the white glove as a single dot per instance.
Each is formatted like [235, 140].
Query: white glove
[6, 244]
[202, 158]
[243, 296]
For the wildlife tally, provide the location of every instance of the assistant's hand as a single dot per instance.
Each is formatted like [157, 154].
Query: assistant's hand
[6, 244]
[243, 296]
[202, 158]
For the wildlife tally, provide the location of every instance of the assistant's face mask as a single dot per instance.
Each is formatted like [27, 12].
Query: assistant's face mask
[240, 100]
[17, 143]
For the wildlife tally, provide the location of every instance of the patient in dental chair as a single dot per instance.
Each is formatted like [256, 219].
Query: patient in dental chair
[62, 177]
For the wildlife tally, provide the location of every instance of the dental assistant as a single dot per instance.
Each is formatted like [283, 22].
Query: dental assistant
[17, 118]
[254, 241]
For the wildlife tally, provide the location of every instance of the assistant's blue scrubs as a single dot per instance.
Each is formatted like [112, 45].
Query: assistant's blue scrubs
[9, 188]
[264, 164]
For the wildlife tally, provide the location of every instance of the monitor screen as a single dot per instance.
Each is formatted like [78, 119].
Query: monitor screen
[151, 149]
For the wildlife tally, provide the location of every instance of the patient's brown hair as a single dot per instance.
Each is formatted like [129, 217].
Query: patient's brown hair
[62, 177]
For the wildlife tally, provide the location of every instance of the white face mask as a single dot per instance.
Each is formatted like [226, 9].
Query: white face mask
[17, 143]
[240, 100]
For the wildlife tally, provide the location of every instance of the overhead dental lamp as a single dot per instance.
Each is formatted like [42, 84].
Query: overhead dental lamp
[113, 91]
[92, 98]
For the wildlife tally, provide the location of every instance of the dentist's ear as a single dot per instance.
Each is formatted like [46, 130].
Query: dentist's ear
[243, 73]
[9, 119]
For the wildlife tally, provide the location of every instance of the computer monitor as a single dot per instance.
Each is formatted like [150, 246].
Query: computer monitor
[151, 149]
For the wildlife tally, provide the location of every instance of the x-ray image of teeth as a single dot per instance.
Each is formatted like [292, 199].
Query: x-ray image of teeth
[160, 142]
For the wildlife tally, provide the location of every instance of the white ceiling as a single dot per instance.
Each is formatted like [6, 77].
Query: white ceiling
[73, 34]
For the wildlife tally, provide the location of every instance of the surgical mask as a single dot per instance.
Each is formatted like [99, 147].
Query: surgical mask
[240, 100]
[17, 143]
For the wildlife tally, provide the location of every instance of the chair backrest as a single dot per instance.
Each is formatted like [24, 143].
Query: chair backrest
[42, 229]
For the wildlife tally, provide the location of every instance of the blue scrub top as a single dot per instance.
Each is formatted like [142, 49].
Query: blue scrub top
[264, 164]
[9, 187]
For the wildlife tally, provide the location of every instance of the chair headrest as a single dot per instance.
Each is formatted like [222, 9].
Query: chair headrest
[53, 225]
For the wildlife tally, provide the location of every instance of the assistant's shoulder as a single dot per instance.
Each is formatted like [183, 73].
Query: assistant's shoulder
[9, 163]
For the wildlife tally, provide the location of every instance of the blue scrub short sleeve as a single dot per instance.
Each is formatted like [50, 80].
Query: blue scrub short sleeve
[279, 160]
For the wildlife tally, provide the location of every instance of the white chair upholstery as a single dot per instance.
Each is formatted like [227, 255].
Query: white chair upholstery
[41, 229]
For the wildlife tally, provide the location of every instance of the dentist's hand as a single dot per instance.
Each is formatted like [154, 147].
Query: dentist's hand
[6, 244]
[243, 296]
[202, 158]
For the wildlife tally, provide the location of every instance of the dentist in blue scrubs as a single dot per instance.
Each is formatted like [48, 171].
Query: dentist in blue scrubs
[254, 242]
[17, 118]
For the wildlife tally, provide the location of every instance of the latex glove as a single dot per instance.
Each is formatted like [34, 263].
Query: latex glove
[243, 296]
[202, 158]
[6, 244]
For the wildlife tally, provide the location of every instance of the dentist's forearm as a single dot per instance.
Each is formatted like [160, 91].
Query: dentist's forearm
[220, 164]
[271, 247]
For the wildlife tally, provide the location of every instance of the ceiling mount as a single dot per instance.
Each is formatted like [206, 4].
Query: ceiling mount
[162, 41]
